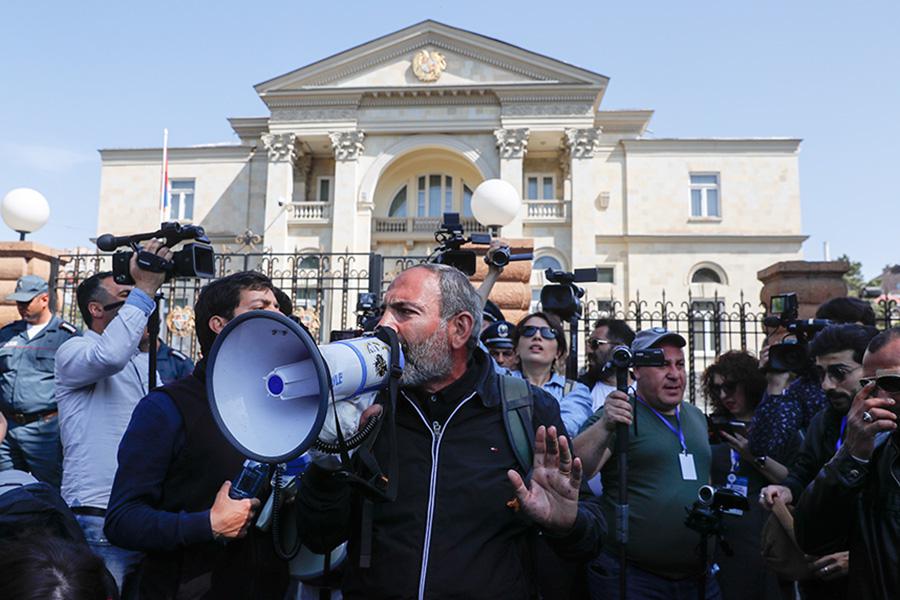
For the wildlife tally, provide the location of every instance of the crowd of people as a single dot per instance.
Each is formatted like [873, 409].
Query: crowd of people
[504, 477]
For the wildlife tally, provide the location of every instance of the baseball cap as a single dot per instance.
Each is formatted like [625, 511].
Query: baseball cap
[491, 312]
[27, 287]
[648, 338]
[498, 335]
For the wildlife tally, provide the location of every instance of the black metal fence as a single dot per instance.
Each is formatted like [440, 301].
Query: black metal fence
[325, 287]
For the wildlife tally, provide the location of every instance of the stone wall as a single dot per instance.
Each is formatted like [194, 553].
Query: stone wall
[18, 259]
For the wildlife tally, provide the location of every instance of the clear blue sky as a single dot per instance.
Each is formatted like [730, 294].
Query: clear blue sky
[79, 76]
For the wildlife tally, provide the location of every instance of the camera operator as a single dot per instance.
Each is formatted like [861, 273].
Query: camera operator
[170, 497]
[669, 460]
[600, 378]
[540, 344]
[853, 501]
[100, 377]
[787, 409]
[460, 524]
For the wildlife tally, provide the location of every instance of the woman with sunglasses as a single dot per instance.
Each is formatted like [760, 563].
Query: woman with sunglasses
[734, 386]
[540, 346]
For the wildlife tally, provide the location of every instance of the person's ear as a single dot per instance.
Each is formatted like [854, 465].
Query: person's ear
[95, 309]
[460, 329]
[217, 324]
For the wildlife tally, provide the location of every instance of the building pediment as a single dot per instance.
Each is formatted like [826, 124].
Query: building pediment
[426, 57]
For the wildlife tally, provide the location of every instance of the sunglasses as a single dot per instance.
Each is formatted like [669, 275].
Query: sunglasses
[729, 387]
[837, 373]
[888, 383]
[546, 333]
[595, 343]
[114, 306]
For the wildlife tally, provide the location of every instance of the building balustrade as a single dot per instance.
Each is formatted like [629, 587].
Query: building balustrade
[310, 211]
[546, 211]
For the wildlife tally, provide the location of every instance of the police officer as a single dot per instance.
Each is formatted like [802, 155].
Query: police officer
[497, 338]
[172, 364]
[27, 357]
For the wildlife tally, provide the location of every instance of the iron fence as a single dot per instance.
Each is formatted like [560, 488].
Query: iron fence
[325, 287]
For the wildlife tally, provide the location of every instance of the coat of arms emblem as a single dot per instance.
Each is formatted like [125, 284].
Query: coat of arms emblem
[428, 65]
[180, 321]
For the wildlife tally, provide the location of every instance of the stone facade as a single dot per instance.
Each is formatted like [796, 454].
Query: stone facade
[364, 150]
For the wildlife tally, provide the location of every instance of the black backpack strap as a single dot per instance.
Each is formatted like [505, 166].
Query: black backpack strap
[515, 396]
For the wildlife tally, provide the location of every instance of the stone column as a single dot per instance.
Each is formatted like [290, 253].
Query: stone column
[511, 146]
[814, 282]
[282, 150]
[582, 146]
[24, 258]
[345, 221]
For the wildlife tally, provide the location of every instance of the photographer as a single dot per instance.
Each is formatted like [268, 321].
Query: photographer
[852, 503]
[100, 377]
[669, 460]
[607, 334]
[787, 409]
[540, 346]
[734, 385]
[462, 518]
[170, 496]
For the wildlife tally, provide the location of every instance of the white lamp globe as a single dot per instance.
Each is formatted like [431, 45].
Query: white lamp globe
[25, 210]
[495, 202]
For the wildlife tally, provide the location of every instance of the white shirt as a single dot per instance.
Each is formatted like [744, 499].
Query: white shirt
[33, 330]
[99, 381]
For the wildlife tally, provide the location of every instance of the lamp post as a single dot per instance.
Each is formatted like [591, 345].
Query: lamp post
[495, 203]
[24, 210]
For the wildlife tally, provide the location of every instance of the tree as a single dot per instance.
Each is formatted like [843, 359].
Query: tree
[853, 277]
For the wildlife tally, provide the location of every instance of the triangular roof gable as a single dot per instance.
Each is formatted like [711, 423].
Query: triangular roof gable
[517, 64]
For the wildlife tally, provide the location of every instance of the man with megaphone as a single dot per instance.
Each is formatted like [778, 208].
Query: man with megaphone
[172, 497]
[463, 505]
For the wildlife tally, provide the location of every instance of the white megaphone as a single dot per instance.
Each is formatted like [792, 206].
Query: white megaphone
[269, 384]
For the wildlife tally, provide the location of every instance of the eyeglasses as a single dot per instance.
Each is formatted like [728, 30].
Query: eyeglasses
[595, 343]
[729, 387]
[889, 383]
[837, 373]
[546, 333]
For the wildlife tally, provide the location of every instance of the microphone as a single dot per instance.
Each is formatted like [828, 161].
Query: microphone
[108, 242]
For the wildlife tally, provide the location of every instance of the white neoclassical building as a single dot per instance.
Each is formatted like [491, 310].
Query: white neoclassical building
[364, 150]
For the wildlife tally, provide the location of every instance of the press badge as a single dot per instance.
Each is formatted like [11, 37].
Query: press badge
[740, 485]
[688, 472]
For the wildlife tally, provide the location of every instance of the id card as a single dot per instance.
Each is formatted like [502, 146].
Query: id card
[688, 471]
[741, 485]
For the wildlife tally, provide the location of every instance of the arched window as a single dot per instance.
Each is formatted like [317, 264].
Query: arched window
[398, 204]
[705, 275]
[546, 262]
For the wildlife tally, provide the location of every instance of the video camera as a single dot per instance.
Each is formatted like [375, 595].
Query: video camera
[451, 237]
[368, 313]
[563, 298]
[624, 358]
[791, 354]
[196, 259]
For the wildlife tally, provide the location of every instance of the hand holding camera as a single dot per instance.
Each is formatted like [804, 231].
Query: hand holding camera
[869, 415]
[149, 281]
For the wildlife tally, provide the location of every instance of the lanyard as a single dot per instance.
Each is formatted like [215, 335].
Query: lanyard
[735, 461]
[677, 431]
[840, 440]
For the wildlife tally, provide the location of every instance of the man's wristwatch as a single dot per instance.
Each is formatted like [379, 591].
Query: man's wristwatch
[760, 462]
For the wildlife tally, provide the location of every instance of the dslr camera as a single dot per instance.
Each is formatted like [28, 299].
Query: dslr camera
[195, 259]
[451, 237]
[792, 352]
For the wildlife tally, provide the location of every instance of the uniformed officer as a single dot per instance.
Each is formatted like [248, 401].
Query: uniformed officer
[172, 364]
[497, 337]
[27, 357]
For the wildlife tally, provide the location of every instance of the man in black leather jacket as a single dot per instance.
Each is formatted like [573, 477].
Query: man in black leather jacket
[463, 515]
[855, 499]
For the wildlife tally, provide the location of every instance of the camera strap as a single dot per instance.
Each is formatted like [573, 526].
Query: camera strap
[155, 263]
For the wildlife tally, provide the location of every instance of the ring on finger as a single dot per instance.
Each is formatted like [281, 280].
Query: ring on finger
[867, 417]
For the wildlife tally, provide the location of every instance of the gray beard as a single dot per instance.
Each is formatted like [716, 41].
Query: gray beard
[427, 361]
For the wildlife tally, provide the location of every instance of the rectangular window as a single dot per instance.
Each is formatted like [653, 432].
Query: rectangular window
[448, 194]
[467, 201]
[540, 186]
[705, 195]
[324, 189]
[420, 208]
[434, 195]
[706, 329]
[181, 199]
[606, 275]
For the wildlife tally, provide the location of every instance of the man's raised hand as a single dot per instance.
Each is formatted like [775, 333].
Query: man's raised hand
[551, 498]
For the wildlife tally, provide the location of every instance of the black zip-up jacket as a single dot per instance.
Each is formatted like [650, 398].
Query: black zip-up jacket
[818, 447]
[856, 506]
[450, 533]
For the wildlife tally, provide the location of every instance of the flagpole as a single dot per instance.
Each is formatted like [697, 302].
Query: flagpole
[164, 179]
